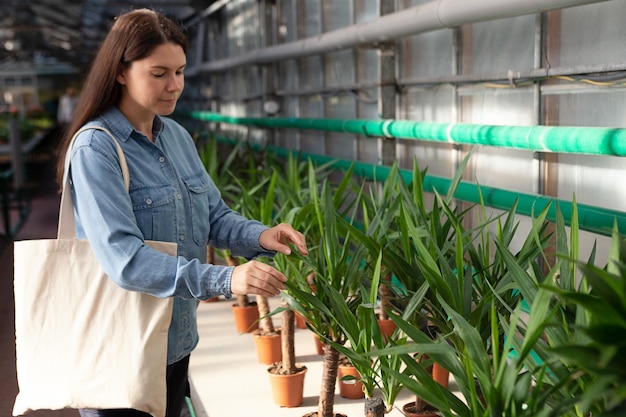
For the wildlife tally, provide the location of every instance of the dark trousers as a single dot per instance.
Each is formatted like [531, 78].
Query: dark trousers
[177, 389]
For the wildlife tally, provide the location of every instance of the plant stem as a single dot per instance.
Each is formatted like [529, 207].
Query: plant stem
[266, 323]
[287, 341]
[329, 378]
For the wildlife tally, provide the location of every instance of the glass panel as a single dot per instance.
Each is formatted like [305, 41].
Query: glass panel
[288, 23]
[289, 138]
[427, 54]
[367, 108]
[592, 107]
[507, 169]
[337, 14]
[438, 158]
[365, 10]
[311, 75]
[367, 104]
[341, 145]
[367, 67]
[312, 141]
[235, 27]
[405, 4]
[309, 16]
[592, 179]
[339, 68]
[253, 81]
[429, 105]
[287, 75]
[512, 106]
[592, 34]
[497, 167]
[501, 45]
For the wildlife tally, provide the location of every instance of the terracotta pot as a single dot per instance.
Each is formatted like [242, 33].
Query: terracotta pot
[350, 388]
[319, 346]
[441, 375]
[246, 318]
[211, 300]
[387, 327]
[268, 347]
[287, 390]
[300, 322]
[409, 411]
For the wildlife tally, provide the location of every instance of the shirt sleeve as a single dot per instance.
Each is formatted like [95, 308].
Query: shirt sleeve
[230, 230]
[104, 215]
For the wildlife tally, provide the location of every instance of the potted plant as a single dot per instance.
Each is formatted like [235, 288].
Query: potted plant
[600, 352]
[509, 372]
[223, 164]
[584, 336]
[517, 369]
[257, 191]
[430, 250]
[291, 196]
[362, 330]
[287, 376]
[331, 257]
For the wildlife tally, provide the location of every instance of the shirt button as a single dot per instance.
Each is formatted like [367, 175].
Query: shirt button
[179, 196]
[181, 237]
[161, 159]
[149, 201]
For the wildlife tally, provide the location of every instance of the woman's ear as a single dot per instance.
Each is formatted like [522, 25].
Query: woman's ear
[120, 78]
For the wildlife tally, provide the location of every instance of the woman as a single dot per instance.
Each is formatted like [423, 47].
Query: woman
[135, 80]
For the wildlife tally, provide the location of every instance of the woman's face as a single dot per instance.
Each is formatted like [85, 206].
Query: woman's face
[152, 85]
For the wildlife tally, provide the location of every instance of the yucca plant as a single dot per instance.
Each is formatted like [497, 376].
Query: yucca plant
[224, 162]
[379, 223]
[336, 272]
[363, 334]
[257, 202]
[591, 336]
[432, 251]
[292, 197]
[491, 381]
[501, 365]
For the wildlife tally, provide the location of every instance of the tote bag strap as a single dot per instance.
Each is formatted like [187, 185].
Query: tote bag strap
[66, 228]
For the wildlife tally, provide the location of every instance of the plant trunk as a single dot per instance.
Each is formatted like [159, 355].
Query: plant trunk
[266, 324]
[310, 280]
[385, 296]
[374, 407]
[242, 300]
[420, 405]
[329, 378]
[287, 343]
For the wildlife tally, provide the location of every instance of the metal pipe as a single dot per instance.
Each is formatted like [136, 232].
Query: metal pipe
[427, 17]
[590, 218]
[565, 139]
[512, 77]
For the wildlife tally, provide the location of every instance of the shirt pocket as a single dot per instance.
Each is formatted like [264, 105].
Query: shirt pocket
[198, 187]
[155, 212]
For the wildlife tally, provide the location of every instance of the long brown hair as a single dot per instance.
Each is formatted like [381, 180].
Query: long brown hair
[133, 36]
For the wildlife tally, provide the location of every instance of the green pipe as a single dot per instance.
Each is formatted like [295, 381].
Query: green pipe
[579, 140]
[590, 218]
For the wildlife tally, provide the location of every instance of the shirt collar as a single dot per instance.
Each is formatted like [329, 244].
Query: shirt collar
[121, 127]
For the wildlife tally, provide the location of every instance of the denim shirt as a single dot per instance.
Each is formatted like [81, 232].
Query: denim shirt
[172, 199]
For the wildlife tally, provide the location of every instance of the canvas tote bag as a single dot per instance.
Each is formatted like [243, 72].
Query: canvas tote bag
[81, 340]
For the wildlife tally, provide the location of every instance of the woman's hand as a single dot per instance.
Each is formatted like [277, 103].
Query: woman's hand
[257, 278]
[278, 237]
